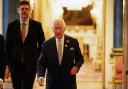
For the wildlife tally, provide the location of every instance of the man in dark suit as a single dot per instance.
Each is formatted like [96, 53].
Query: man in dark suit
[62, 63]
[2, 60]
[24, 38]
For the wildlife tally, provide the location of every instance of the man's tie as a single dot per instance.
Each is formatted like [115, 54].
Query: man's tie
[60, 51]
[23, 31]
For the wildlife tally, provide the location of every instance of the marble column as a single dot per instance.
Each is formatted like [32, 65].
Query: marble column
[118, 24]
[118, 28]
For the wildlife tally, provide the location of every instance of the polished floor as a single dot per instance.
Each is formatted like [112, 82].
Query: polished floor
[80, 85]
[87, 78]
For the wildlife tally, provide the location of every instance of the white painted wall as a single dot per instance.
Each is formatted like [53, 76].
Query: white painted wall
[108, 42]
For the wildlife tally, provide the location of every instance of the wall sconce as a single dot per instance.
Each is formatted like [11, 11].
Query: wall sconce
[32, 3]
[94, 14]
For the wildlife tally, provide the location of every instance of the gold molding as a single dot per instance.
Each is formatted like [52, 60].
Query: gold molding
[116, 54]
[117, 49]
[80, 27]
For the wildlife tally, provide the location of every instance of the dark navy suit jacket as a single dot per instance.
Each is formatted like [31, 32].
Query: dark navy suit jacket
[2, 57]
[58, 76]
[27, 52]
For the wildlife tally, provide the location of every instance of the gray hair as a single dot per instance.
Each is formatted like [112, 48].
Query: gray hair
[60, 20]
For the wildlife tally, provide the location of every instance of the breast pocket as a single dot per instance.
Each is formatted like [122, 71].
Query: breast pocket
[70, 52]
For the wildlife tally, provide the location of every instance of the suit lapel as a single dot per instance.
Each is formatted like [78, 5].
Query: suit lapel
[65, 38]
[29, 29]
[67, 45]
[64, 47]
[55, 52]
[18, 32]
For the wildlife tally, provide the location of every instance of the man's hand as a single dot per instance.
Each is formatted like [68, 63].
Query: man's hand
[7, 72]
[1, 83]
[40, 81]
[74, 70]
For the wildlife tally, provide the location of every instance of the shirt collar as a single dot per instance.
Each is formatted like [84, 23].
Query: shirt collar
[62, 39]
[27, 21]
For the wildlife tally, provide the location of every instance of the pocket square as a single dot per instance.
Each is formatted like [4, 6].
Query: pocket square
[71, 48]
[65, 45]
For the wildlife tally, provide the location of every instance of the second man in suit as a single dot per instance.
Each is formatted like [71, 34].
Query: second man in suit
[62, 58]
[24, 38]
[2, 60]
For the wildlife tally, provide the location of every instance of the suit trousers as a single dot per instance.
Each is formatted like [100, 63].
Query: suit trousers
[22, 79]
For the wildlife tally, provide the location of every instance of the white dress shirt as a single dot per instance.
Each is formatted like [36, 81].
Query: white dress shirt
[62, 45]
[26, 26]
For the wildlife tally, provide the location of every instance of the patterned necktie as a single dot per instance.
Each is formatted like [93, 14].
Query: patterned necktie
[60, 51]
[23, 31]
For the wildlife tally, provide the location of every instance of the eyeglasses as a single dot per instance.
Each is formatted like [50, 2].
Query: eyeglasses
[22, 9]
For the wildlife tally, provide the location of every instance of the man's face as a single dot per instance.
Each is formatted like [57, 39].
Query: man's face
[24, 11]
[58, 29]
